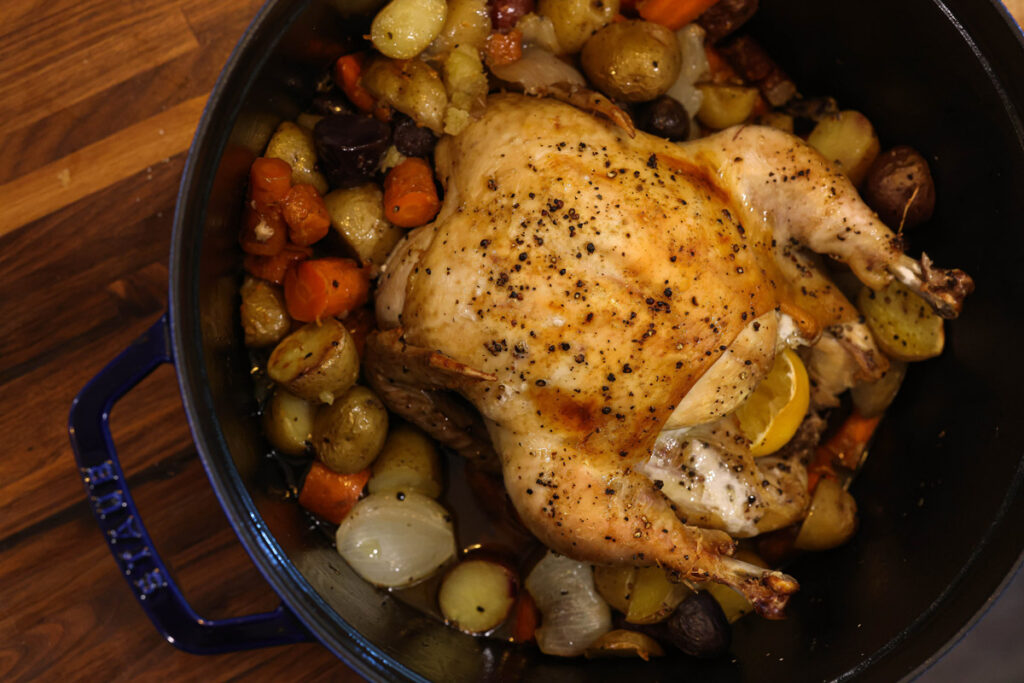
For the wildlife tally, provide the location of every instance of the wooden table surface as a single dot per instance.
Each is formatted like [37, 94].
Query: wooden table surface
[98, 103]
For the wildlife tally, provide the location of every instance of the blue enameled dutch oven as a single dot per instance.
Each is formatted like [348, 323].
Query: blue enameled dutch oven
[940, 497]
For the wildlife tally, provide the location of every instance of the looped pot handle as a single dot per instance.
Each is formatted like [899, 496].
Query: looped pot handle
[115, 511]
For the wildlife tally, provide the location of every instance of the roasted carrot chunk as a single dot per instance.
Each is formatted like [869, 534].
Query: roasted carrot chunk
[330, 495]
[306, 215]
[410, 196]
[845, 448]
[273, 268]
[319, 288]
[269, 181]
[673, 14]
[347, 72]
[264, 232]
[504, 48]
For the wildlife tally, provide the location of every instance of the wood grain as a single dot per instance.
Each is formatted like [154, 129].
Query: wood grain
[98, 101]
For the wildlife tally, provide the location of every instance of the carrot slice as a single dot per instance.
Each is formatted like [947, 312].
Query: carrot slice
[347, 72]
[273, 268]
[330, 495]
[269, 181]
[319, 288]
[503, 48]
[845, 448]
[306, 215]
[264, 232]
[410, 196]
[673, 14]
[526, 618]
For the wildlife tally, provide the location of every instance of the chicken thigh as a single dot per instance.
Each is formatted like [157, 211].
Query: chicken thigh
[585, 290]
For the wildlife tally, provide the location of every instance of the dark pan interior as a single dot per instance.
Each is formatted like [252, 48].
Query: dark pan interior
[939, 495]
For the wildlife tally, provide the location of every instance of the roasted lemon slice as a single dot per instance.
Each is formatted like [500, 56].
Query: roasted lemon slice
[773, 413]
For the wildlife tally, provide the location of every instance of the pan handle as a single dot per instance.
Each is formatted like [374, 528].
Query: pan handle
[115, 511]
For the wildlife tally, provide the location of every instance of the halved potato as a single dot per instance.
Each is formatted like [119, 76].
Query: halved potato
[357, 215]
[654, 597]
[905, 326]
[288, 422]
[832, 518]
[294, 144]
[848, 140]
[408, 462]
[615, 584]
[316, 362]
[725, 105]
[623, 643]
[477, 595]
[872, 398]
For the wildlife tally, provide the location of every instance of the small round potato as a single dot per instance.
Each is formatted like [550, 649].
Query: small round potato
[576, 20]
[408, 462]
[294, 144]
[633, 61]
[316, 362]
[404, 28]
[349, 433]
[831, 520]
[264, 314]
[288, 422]
[899, 187]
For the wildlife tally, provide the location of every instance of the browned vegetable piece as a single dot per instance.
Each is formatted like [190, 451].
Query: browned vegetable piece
[725, 16]
[632, 61]
[264, 315]
[288, 422]
[832, 518]
[899, 187]
[316, 362]
[477, 595]
[349, 433]
[757, 67]
[615, 583]
[623, 643]
[654, 597]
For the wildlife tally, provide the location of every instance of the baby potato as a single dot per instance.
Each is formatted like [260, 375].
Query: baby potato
[654, 597]
[848, 140]
[316, 362]
[357, 215]
[477, 595]
[831, 520]
[899, 187]
[576, 20]
[349, 433]
[623, 643]
[294, 144]
[404, 28]
[412, 87]
[408, 462]
[632, 61]
[615, 584]
[904, 325]
[288, 422]
[725, 105]
[264, 313]
[468, 23]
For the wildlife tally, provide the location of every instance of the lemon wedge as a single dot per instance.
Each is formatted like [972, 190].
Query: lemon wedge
[773, 413]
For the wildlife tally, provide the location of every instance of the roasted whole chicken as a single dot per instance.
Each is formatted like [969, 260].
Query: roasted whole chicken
[591, 304]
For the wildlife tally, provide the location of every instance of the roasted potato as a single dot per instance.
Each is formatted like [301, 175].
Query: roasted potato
[477, 595]
[408, 462]
[466, 83]
[349, 433]
[904, 325]
[294, 144]
[623, 643]
[848, 140]
[316, 362]
[872, 398]
[725, 105]
[632, 61]
[288, 422]
[899, 187]
[776, 119]
[357, 215]
[831, 520]
[576, 20]
[412, 87]
[615, 584]
[404, 28]
[654, 597]
[264, 315]
[467, 23]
